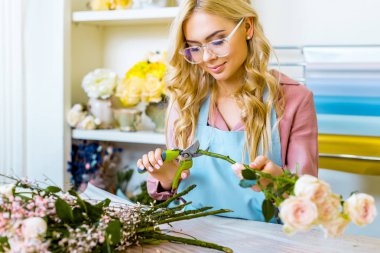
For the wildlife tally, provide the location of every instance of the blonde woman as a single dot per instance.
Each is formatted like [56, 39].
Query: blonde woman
[223, 94]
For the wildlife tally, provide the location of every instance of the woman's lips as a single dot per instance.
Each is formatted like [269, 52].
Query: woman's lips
[218, 68]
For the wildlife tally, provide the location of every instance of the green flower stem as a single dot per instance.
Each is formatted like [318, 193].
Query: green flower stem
[186, 213]
[148, 229]
[191, 242]
[180, 207]
[175, 196]
[188, 217]
[194, 214]
[170, 211]
[257, 172]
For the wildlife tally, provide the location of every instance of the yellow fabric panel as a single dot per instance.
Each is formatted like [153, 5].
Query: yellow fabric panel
[350, 145]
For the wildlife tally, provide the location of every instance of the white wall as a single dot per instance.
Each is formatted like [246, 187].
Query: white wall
[303, 22]
[12, 87]
[46, 89]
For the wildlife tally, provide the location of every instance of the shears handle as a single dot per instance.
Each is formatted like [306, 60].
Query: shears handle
[167, 156]
[183, 165]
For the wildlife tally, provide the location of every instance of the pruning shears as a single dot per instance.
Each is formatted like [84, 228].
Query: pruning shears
[185, 157]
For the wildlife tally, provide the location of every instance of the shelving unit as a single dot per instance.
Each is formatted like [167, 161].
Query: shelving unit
[125, 17]
[144, 137]
[116, 40]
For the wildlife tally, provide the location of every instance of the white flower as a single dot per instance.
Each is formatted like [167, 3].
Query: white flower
[335, 227]
[33, 227]
[75, 115]
[312, 188]
[360, 208]
[7, 189]
[330, 208]
[298, 214]
[88, 123]
[16, 245]
[100, 83]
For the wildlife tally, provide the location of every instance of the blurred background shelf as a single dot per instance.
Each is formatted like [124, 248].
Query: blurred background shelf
[144, 137]
[125, 17]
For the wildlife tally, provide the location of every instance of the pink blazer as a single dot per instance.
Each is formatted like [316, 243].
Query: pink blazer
[298, 133]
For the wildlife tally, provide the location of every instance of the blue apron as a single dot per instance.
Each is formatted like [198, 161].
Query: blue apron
[217, 184]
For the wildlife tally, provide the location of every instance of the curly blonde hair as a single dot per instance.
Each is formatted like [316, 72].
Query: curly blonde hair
[188, 86]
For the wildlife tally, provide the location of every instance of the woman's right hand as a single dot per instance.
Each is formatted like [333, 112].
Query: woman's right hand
[162, 171]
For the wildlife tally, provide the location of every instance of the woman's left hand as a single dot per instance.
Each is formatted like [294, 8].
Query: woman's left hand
[263, 164]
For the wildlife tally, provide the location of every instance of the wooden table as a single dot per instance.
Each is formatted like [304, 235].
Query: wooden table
[251, 236]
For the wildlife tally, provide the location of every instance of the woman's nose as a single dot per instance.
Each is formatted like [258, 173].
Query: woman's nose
[207, 55]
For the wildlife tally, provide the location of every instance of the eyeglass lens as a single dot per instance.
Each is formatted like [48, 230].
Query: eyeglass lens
[219, 48]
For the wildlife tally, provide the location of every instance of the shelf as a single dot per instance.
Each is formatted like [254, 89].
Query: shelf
[145, 137]
[125, 17]
[348, 125]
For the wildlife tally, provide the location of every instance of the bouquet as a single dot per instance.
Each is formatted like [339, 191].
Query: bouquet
[144, 81]
[100, 83]
[305, 201]
[46, 219]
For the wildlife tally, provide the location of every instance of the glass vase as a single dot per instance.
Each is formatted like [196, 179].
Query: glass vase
[157, 112]
[128, 119]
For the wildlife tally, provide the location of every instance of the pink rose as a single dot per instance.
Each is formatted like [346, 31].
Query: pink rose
[336, 226]
[298, 214]
[312, 188]
[360, 208]
[329, 209]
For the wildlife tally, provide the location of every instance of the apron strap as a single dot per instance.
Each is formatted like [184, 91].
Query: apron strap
[203, 114]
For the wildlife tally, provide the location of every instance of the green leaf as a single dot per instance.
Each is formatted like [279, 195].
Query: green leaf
[247, 183]
[52, 189]
[248, 174]
[79, 200]
[103, 203]
[268, 209]
[114, 230]
[3, 243]
[78, 216]
[94, 212]
[64, 211]
[354, 192]
[285, 188]
[270, 187]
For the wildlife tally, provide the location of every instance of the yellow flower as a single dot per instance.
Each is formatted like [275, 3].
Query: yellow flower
[144, 81]
[100, 5]
[121, 4]
[129, 90]
[152, 90]
[104, 5]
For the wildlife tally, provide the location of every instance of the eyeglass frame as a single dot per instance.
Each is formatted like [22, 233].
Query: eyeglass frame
[228, 38]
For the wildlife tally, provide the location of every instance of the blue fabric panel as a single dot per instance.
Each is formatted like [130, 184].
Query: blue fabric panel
[358, 106]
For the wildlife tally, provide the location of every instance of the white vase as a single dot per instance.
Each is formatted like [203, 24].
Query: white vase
[102, 109]
[128, 119]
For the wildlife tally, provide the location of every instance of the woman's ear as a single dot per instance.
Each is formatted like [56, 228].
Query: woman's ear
[248, 25]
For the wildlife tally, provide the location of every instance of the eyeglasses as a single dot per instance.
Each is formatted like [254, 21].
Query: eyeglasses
[219, 48]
